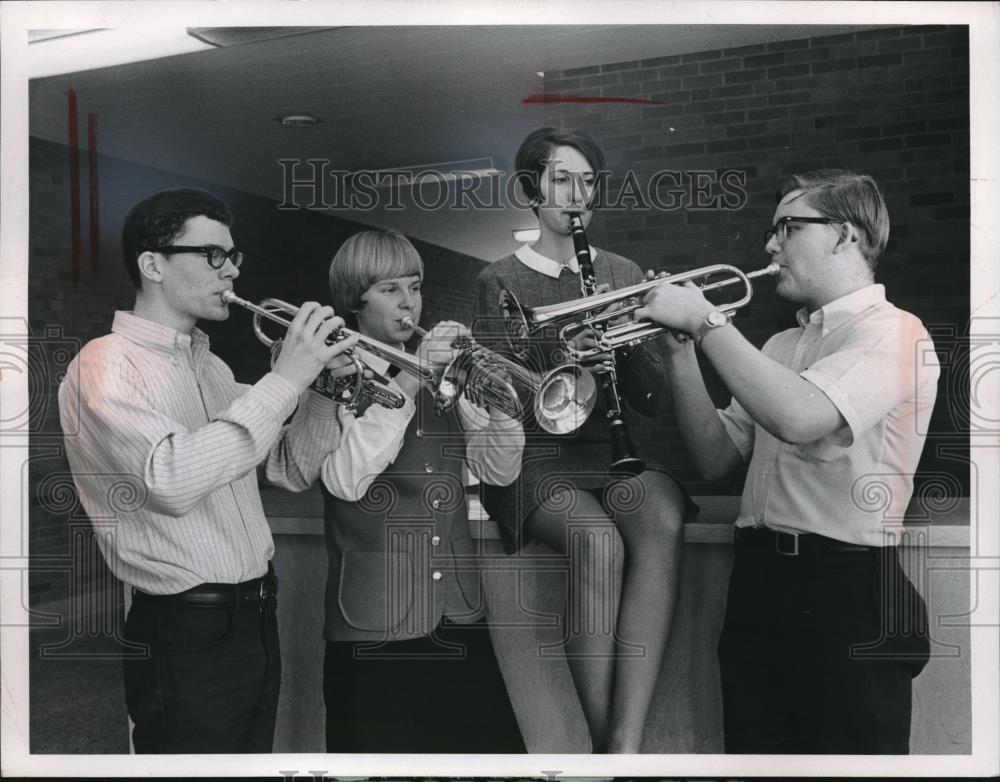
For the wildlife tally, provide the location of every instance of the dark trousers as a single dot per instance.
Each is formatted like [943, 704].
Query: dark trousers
[210, 680]
[419, 696]
[818, 650]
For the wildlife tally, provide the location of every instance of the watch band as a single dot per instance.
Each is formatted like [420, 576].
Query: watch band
[714, 320]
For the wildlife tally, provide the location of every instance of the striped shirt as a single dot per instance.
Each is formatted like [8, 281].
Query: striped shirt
[163, 444]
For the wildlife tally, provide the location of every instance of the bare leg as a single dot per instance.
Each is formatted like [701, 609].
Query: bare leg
[650, 523]
[574, 524]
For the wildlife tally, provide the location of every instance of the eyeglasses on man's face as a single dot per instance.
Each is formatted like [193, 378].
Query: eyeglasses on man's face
[780, 228]
[215, 256]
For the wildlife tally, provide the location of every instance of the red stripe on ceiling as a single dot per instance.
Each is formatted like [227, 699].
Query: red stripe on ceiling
[586, 99]
[74, 188]
[95, 204]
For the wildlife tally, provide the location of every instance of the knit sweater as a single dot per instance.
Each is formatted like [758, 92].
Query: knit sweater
[580, 458]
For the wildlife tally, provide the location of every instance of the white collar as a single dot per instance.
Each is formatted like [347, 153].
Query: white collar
[547, 266]
[838, 311]
[376, 363]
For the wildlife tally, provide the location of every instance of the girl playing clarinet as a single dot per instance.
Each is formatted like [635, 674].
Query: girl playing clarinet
[565, 496]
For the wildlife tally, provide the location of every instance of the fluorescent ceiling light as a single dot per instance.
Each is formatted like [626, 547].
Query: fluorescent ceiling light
[526, 234]
[34, 36]
[427, 173]
[84, 50]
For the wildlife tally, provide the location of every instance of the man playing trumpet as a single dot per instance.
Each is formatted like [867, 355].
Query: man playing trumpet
[409, 666]
[813, 657]
[150, 404]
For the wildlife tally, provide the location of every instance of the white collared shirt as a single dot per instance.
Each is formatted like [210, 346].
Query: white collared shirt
[877, 365]
[548, 266]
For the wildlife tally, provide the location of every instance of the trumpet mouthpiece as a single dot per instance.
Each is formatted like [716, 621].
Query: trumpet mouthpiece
[229, 297]
[409, 324]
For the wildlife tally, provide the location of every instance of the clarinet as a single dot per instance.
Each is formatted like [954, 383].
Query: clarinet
[623, 458]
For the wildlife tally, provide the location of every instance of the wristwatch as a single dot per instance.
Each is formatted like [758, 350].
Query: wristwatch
[713, 320]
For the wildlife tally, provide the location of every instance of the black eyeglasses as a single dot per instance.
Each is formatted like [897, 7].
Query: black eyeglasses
[780, 228]
[215, 256]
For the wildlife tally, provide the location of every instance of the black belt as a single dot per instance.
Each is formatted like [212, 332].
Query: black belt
[257, 591]
[792, 544]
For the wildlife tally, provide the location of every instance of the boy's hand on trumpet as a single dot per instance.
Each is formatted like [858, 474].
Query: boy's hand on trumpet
[304, 350]
[680, 308]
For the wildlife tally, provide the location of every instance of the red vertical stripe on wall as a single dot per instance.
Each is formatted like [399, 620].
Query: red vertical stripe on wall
[74, 190]
[95, 203]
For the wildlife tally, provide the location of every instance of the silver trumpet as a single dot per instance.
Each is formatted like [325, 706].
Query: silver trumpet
[589, 312]
[560, 400]
[364, 385]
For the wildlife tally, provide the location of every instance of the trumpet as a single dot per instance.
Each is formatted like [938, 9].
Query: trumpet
[364, 385]
[560, 400]
[588, 312]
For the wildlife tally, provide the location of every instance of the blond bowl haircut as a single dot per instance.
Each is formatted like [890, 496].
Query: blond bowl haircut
[365, 259]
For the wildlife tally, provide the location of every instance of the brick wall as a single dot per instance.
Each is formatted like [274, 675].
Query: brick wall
[289, 252]
[890, 102]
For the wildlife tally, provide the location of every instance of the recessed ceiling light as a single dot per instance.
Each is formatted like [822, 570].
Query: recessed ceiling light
[299, 120]
[540, 73]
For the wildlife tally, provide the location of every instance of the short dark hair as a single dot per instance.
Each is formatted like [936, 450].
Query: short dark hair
[534, 153]
[155, 221]
[849, 196]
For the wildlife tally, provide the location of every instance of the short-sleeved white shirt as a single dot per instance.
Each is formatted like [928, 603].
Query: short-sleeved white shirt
[877, 364]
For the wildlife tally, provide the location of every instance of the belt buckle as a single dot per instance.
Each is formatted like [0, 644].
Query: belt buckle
[779, 536]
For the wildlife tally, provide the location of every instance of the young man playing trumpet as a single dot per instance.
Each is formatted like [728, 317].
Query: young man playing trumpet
[409, 665]
[149, 405]
[823, 631]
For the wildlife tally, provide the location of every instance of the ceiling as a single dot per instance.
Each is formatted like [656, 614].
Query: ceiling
[387, 97]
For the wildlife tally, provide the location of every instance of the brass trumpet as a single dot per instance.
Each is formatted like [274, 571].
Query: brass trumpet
[588, 312]
[560, 400]
[351, 390]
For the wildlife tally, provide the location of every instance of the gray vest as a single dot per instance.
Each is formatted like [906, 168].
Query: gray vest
[394, 556]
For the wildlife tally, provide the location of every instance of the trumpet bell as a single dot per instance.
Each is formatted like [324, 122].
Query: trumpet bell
[565, 399]
[516, 325]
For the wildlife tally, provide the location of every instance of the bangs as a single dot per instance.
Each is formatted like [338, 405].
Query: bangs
[391, 259]
[365, 259]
